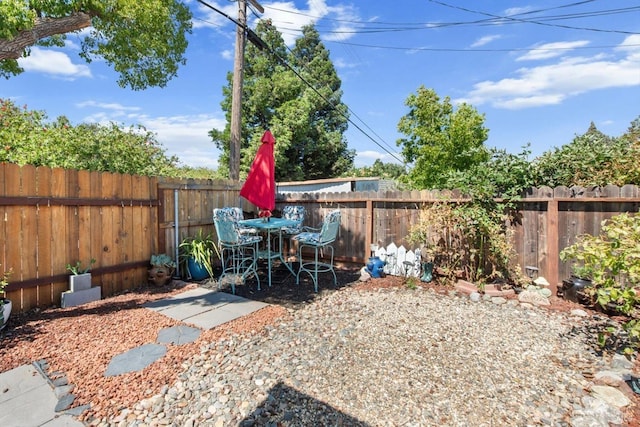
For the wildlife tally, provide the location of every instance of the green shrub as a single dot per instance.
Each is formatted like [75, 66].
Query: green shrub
[612, 261]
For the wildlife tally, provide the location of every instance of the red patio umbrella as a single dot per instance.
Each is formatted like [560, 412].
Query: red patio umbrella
[260, 186]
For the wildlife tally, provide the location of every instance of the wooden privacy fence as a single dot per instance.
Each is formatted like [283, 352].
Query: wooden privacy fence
[552, 219]
[548, 220]
[53, 217]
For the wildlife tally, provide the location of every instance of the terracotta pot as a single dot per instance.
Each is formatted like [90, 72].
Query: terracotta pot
[160, 276]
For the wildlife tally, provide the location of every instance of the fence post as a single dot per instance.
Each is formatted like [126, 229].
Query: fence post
[552, 244]
[369, 227]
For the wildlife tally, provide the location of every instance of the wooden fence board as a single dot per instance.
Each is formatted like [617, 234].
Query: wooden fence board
[140, 248]
[123, 230]
[107, 227]
[27, 227]
[13, 255]
[62, 254]
[84, 233]
[94, 241]
[44, 232]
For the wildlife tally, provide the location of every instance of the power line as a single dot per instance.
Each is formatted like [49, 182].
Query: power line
[434, 49]
[290, 67]
[375, 27]
[529, 21]
[261, 44]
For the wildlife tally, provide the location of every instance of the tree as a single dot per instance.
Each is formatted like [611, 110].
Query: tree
[321, 146]
[440, 139]
[307, 122]
[266, 84]
[592, 159]
[143, 40]
[378, 169]
[503, 175]
[29, 139]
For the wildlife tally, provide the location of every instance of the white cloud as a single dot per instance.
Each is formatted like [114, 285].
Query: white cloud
[551, 84]
[286, 16]
[107, 106]
[517, 10]
[551, 50]
[54, 63]
[485, 40]
[185, 136]
[631, 47]
[227, 54]
[207, 17]
[367, 157]
[341, 63]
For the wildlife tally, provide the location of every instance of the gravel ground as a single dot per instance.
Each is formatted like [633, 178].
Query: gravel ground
[364, 354]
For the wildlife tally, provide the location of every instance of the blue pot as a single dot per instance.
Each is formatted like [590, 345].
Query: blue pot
[196, 270]
[375, 267]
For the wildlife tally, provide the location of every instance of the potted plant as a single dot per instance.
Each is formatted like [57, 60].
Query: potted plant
[5, 304]
[610, 262]
[197, 253]
[80, 278]
[162, 268]
[576, 287]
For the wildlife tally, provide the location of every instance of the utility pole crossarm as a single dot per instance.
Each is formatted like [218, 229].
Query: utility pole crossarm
[257, 5]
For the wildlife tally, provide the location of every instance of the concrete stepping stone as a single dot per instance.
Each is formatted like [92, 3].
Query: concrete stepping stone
[205, 308]
[135, 359]
[178, 335]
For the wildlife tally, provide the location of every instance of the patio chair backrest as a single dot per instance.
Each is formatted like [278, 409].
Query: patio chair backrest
[226, 223]
[330, 227]
[236, 212]
[294, 213]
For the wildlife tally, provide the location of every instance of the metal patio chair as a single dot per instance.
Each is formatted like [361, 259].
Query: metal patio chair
[318, 240]
[238, 251]
[294, 213]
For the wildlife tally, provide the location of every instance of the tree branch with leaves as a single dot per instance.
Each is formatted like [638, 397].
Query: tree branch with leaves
[143, 40]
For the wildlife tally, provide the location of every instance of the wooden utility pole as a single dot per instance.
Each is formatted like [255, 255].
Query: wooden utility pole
[236, 94]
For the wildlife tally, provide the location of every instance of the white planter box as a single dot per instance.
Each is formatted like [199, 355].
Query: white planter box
[73, 299]
[6, 312]
[80, 282]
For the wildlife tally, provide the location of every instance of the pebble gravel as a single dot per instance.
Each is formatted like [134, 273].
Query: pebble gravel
[389, 357]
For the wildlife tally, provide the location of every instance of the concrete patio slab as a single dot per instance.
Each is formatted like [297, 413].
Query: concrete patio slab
[27, 399]
[205, 308]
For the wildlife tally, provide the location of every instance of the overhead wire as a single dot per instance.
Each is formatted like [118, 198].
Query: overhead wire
[312, 87]
[434, 49]
[377, 26]
[261, 44]
[529, 21]
[381, 27]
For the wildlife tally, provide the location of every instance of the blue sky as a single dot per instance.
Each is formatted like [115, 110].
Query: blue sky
[540, 71]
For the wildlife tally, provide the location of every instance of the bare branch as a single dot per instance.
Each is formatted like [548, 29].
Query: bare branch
[44, 27]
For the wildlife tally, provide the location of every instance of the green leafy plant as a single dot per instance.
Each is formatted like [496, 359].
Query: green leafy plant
[162, 260]
[77, 268]
[4, 282]
[411, 283]
[611, 260]
[469, 237]
[201, 247]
